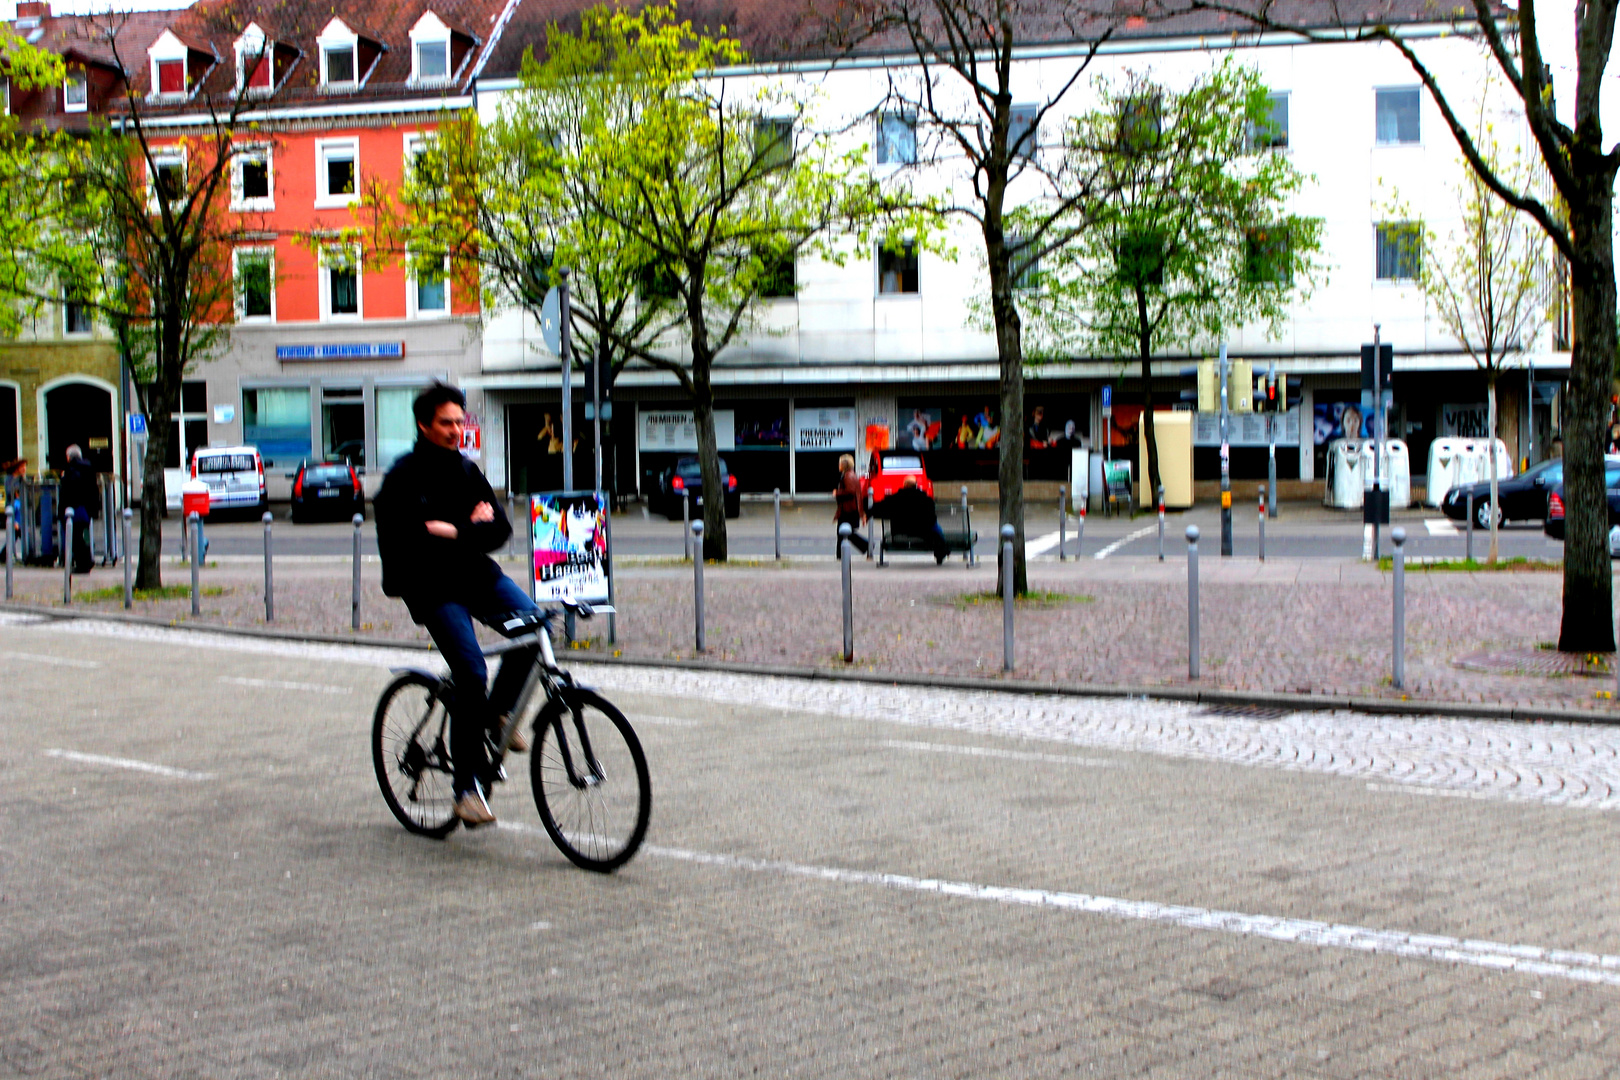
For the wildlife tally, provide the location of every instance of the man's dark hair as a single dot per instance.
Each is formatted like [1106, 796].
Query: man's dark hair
[426, 405]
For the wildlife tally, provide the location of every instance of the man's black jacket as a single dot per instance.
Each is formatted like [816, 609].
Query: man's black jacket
[911, 512]
[79, 489]
[434, 484]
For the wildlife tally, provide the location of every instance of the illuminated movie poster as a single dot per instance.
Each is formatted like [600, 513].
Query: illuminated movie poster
[570, 546]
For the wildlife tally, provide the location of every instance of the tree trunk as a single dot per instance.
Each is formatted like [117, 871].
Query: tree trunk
[162, 401]
[1490, 448]
[1588, 620]
[1010, 474]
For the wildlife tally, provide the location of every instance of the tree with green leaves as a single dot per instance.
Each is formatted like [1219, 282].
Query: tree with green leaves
[1486, 281]
[1193, 238]
[132, 221]
[719, 182]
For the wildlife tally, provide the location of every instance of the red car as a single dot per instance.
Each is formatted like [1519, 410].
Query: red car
[888, 474]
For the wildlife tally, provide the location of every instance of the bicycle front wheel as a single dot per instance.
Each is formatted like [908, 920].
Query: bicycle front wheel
[410, 749]
[590, 781]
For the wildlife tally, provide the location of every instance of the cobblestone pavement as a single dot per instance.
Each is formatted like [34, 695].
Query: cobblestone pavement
[1311, 626]
[199, 879]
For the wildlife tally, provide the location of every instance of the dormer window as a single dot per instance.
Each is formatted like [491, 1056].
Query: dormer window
[171, 76]
[438, 50]
[347, 56]
[177, 66]
[339, 66]
[75, 93]
[255, 61]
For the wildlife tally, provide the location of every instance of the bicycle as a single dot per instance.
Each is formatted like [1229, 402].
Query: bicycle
[586, 766]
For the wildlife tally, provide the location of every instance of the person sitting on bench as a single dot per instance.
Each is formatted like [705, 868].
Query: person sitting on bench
[911, 513]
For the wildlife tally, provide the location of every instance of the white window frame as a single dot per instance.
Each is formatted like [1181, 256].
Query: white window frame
[431, 30]
[5, 96]
[324, 150]
[414, 143]
[241, 203]
[414, 312]
[325, 276]
[909, 119]
[337, 35]
[82, 80]
[168, 49]
[269, 256]
[163, 155]
[254, 42]
[90, 318]
[1403, 88]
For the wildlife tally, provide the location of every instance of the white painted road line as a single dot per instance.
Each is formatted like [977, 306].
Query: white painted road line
[54, 661]
[1007, 755]
[1040, 545]
[278, 684]
[662, 721]
[1122, 541]
[128, 763]
[1440, 526]
[1524, 959]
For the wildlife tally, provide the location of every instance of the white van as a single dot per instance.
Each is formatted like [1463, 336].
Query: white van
[234, 475]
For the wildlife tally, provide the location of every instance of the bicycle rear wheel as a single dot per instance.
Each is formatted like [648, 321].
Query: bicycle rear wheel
[590, 781]
[410, 748]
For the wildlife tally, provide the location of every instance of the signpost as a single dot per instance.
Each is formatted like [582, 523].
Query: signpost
[1108, 426]
[1226, 457]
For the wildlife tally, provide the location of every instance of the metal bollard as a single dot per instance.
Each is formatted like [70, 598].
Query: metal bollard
[1468, 551]
[269, 582]
[196, 562]
[845, 550]
[1192, 601]
[1262, 523]
[1080, 532]
[1161, 523]
[1063, 518]
[776, 500]
[686, 524]
[354, 600]
[67, 555]
[1007, 532]
[972, 557]
[695, 538]
[11, 545]
[1398, 534]
[129, 569]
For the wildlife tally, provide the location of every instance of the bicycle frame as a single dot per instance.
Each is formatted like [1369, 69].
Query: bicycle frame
[547, 675]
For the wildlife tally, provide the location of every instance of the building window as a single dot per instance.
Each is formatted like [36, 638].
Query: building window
[429, 289]
[1273, 133]
[897, 269]
[1266, 256]
[897, 139]
[5, 97]
[337, 172]
[339, 63]
[1140, 125]
[432, 61]
[168, 176]
[75, 93]
[252, 187]
[75, 315]
[1026, 270]
[171, 76]
[1022, 138]
[255, 285]
[778, 278]
[1141, 259]
[340, 283]
[1398, 112]
[1400, 251]
[255, 61]
[773, 142]
[421, 170]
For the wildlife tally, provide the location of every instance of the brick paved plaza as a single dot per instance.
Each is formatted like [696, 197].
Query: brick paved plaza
[199, 879]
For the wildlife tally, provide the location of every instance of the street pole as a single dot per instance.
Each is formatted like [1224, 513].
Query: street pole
[129, 581]
[1161, 522]
[1378, 432]
[686, 524]
[1262, 523]
[696, 529]
[1192, 601]
[11, 549]
[776, 503]
[67, 556]
[269, 581]
[196, 559]
[1007, 533]
[1063, 518]
[354, 599]
[844, 551]
[1226, 463]
[567, 382]
[1398, 673]
[596, 411]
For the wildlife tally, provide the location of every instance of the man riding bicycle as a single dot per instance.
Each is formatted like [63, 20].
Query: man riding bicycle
[437, 519]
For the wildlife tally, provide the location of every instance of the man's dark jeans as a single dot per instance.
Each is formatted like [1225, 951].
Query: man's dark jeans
[79, 542]
[451, 625]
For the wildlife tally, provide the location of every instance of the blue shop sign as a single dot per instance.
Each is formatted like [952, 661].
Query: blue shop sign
[384, 350]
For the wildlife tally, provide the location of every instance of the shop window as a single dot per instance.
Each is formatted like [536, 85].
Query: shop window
[897, 268]
[1398, 115]
[343, 425]
[276, 420]
[396, 426]
[337, 172]
[1400, 251]
[897, 139]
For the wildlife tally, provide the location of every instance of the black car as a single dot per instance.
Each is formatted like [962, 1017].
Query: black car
[326, 491]
[1524, 497]
[1553, 523]
[685, 477]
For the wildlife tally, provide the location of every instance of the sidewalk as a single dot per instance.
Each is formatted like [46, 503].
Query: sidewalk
[1299, 626]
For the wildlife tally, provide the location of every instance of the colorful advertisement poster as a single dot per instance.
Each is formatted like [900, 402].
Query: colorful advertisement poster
[570, 545]
[921, 430]
[1341, 420]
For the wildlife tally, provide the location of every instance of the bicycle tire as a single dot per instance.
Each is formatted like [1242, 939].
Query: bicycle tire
[398, 750]
[597, 823]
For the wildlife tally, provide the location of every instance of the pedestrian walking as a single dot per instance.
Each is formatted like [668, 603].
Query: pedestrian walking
[81, 493]
[847, 505]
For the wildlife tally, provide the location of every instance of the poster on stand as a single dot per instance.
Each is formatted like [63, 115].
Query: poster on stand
[569, 529]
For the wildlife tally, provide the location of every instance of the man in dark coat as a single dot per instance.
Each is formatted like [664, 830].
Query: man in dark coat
[80, 493]
[437, 520]
[912, 513]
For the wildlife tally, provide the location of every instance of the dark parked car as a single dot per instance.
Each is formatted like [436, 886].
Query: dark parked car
[685, 476]
[1524, 497]
[326, 490]
[1553, 523]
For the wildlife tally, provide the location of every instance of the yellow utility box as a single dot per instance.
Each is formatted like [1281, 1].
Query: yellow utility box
[1174, 434]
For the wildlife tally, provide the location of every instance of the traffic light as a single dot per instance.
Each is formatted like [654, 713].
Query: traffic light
[1240, 387]
[1262, 397]
[1209, 387]
[1288, 387]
